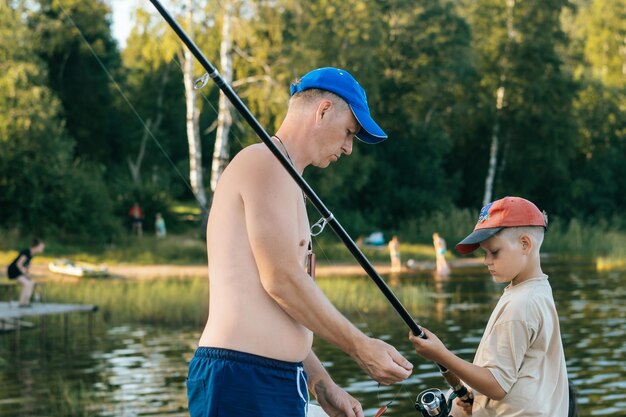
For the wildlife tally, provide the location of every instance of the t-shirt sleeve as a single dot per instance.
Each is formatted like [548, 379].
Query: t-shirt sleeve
[503, 351]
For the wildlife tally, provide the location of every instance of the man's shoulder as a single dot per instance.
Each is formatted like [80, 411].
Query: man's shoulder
[256, 163]
[257, 155]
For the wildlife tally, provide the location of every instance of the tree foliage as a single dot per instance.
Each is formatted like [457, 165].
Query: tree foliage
[432, 70]
[44, 189]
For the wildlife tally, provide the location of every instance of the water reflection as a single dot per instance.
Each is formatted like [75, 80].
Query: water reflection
[593, 324]
[133, 369]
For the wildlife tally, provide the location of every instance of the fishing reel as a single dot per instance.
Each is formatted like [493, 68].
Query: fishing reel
[432, 403]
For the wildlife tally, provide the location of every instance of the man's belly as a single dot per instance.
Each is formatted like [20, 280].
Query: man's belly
[255, 324]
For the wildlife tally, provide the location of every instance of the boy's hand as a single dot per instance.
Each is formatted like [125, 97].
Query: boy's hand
[431, 348]
[466, 408]
[460, 409]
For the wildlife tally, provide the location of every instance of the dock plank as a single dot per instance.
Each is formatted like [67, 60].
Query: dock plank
[12, 311]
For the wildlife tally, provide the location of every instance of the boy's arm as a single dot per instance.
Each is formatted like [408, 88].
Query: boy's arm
[479, 378]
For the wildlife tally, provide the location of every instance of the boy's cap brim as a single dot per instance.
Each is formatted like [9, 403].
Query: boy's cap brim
[495, 216]
[343, 84]
[472, 242]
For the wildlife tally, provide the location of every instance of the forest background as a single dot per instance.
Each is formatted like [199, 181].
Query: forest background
[481, 99]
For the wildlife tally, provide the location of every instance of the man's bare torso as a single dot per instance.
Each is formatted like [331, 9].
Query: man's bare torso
[242, 315]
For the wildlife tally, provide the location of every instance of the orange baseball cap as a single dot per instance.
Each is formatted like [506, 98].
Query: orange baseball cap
[495, 216]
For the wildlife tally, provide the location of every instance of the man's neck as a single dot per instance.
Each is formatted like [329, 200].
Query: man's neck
[292, 146]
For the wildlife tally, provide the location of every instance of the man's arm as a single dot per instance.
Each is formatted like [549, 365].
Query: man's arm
[271, 200]
[479, 378]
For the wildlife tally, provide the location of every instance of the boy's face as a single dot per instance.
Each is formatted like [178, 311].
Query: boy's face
[505, 256]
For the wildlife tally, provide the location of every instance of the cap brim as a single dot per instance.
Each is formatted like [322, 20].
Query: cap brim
[370, 131]
[472, 242]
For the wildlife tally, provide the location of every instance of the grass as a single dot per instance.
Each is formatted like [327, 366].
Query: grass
[180, 249]
[165, 301]
[352, 294]
[574, 238]
[332, 252]
[184, 301]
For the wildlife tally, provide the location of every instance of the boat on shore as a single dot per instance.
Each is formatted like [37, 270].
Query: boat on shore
[77, 269]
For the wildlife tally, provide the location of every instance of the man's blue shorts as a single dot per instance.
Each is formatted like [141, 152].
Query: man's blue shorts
[228, 383]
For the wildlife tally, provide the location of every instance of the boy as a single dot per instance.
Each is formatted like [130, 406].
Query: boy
[519, 367]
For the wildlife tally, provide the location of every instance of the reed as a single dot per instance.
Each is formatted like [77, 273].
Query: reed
[184, 301]
[359, 294]
[173, 301]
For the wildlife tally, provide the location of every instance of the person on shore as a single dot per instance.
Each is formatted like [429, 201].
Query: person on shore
[19, 270]
[159, 226]
[135, 213]
[255, 354]
[519, 368]
[394, 254]
[442, 268]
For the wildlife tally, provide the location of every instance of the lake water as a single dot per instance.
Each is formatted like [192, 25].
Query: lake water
[131, 369]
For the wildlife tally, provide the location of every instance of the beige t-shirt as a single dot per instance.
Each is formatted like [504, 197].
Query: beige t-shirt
[522, 348]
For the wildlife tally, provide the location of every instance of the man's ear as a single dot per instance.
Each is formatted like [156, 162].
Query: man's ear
[322, 109]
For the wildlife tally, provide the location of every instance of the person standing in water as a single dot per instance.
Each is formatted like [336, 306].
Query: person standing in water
[442, 267]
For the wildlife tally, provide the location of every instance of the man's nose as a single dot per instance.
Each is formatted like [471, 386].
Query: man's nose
[347, 146]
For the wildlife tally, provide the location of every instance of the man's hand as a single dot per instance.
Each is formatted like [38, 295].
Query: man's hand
[337, 402]
[382, 361]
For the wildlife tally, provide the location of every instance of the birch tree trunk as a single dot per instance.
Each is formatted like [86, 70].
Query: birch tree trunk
[500, 102]
[193, 118]
[493, 152]
[224, 117]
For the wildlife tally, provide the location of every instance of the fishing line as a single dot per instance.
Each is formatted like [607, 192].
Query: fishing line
[370, 333]
[130, 105]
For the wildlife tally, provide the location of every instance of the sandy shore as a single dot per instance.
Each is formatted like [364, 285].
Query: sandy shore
[129, 271]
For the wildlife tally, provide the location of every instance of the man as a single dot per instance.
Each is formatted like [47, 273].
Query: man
[255, 356]
[19, 270]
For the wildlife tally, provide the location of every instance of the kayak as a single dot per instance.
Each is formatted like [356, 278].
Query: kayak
[77, 269]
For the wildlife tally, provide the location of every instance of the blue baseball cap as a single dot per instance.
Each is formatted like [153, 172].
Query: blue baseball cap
[343, 84]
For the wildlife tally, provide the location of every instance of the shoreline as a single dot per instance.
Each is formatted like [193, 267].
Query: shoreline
[139, 272]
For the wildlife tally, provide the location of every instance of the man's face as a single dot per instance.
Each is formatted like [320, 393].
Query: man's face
[338, 126]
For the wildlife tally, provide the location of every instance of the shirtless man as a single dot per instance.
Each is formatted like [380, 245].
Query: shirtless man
[254, 356]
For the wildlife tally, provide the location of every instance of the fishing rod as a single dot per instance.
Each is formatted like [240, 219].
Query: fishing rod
[327, 216]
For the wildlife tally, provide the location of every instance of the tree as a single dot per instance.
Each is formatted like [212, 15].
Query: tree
[427, 68]
[598, 57]
[77, 76]
[43, 189]
[536, 133]
[148, 83]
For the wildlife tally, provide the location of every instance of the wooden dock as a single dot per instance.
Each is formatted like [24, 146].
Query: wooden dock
[12, 317]
[11, 311]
